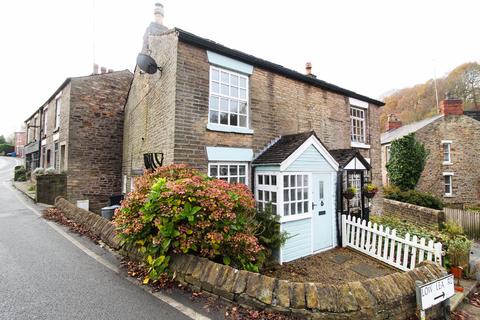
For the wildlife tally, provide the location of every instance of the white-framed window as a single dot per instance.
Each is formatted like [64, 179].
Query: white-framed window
[266, 191]
[232, 172]
[354, 180]
[228, 98]
[58, 106]
[447, 154]
[45, 121]
[55, 155]
[448, 183]
[358, 124]
[296, 194]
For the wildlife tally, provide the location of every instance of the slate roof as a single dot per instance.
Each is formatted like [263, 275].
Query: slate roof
[283, 148]
[473, 114]
[238, 55]
[391, 135]
[344, 156]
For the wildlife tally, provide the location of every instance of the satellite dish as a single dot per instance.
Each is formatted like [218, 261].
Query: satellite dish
[147, 64]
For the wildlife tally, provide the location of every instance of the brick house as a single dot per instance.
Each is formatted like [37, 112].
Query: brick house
[452, 138]
[19, 141]
[244, 119]
[78, 131]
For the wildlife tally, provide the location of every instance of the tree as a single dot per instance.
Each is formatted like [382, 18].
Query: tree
[407, 160]
[464, 82]
[2, 139]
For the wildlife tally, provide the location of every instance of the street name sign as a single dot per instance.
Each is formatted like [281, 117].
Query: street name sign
[432, 293]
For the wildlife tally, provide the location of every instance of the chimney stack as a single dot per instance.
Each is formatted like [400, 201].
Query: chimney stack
[103, 69]
[393, 122]
[451, 106]
[95, 68]
[308, 70]
[159, 13]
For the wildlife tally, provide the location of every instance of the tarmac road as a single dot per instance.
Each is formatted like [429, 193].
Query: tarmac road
[44, 275]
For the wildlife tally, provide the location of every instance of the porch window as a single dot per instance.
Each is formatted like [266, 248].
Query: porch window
[228, 98]
[354, 180]
[295, 194]
[231, 172]
[357, 116]
[266, 191]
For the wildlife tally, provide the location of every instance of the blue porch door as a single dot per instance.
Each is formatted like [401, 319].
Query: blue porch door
[322, 207]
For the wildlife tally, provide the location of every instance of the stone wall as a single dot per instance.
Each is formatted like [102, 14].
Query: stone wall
[414, 214]
[389, 297]
[464, 132]
[95, 137]
[49, 187]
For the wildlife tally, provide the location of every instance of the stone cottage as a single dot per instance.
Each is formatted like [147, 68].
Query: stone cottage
[452, 138]
[296, 140]
[78, 131]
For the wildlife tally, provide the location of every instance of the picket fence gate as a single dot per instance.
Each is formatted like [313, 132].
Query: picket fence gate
[469, 220]
[384, 244]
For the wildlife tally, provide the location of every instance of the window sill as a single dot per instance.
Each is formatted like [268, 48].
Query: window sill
[56, 130]
[359, 145]
[225, 128]
[447, 163]
[448, 196]
[295, 217]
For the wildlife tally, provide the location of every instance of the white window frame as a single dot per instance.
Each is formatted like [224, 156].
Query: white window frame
[228, 176]
[447, 143]
[357, 184]
[229, 127]
[45, 121]
[56, 154]
[58, 107]
[263, 187]
[450, 175]
[355, 142]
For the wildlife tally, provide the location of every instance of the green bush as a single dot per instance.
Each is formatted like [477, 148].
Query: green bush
[414, 197]
[407, 160]
[269, 233]
[176, 209]
[20, 174]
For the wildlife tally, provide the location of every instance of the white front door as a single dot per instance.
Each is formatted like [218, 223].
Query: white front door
[322, 208]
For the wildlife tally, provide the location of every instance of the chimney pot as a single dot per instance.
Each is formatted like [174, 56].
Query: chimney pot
[308, 68]
[393, 122]
[103, 69]
[95, 68]
[159, 13]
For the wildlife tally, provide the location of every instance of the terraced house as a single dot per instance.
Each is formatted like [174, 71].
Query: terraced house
[452, 138]
[297, 141]
[78, 131]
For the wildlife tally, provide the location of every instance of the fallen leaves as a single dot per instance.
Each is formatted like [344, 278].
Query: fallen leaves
[56, 215]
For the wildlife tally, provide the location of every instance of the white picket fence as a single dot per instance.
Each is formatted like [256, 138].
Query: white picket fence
[384, 245]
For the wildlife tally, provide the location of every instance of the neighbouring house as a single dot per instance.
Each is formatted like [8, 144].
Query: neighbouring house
[295, 140]
[452, 138]
[20, 138]
[78, 131]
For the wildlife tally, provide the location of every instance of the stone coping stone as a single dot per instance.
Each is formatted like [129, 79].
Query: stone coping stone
[387, 297]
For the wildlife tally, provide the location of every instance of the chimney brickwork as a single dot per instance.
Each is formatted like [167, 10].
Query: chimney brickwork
[451, 107]
[393, 122]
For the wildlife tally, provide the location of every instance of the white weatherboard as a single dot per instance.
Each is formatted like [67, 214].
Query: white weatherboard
[434, 292]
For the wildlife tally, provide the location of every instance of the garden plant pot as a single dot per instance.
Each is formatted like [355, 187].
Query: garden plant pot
[348, 196]
[369, 195]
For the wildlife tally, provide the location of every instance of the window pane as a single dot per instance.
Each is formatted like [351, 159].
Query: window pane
[213, 171]
[285, 181]
[299, 181]
[233, 119]
[243, 108]
[274, 209]
[241, 180]
[214, 103]
[286, 209]
[243, 121]
[214, 116]
[243, 82]
[274, 197]
[233, 170]
[260, 195]
[260, 206]
[215, 74]
[224, 170]
[299, 194]
[267, 196]
[224, 77]
[241, 170]
[233, 179]
[223, 104]
[224, 118]
[293, 208]
[274, 180]
[305, 180]
[286, 195]
[243, 94]
[305, 193]
[292, 181]
[299, 208]
[215, 87]
[320, 189]
[305, 206]
[267, 180]
[234, 80]
[292, 195]
[234, 92]
[224, 89]
[234, 106]
[260, 179]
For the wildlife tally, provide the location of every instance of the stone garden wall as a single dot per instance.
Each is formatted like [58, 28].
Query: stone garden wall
[388, 297]
[50, 186]
[415, 214]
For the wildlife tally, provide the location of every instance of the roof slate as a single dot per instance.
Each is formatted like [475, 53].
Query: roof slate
[389, 136]
[473, 114]
[344, 156]
[283, 148]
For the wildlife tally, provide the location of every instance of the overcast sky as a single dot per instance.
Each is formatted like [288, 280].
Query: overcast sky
[370, 47]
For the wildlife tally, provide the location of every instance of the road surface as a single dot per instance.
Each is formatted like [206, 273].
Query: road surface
[49, 273]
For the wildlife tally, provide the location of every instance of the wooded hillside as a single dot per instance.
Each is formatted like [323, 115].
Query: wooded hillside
[419, 102]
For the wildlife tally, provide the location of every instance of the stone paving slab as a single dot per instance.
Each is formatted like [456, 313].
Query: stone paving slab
[341, 258]
[368, 271]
